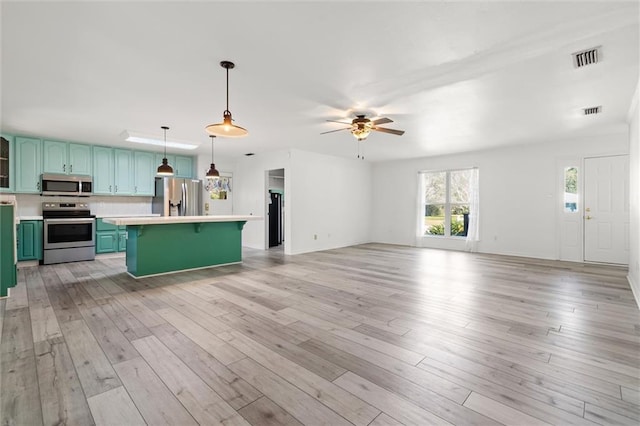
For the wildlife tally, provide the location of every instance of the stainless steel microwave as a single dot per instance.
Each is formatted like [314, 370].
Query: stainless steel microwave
[71, 185]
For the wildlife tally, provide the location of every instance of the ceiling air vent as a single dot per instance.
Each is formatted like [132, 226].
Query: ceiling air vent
[592, 110]
[587, 57]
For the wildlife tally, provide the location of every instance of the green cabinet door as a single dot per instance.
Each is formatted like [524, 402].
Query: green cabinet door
[66, 158]
[54, 157]
[122, 240]
[103, 170]
[30, 240]
[8, 276]
[123, 177]
[106, 242]
[183, 167]
[144, 173]
[79, 159]
[28, 165]
[7, 163]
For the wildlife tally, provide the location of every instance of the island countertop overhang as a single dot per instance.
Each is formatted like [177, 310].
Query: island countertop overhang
[166, 220]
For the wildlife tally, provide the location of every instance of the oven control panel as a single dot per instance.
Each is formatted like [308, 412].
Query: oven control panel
[65, 206]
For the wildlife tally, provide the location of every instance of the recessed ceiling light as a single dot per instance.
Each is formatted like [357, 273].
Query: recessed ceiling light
[136, 137]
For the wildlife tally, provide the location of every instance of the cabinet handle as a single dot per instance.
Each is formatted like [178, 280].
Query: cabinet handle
[135, 189]
[109, 188]
[116, 188]
[71, 168]
[38, 186]
[64, 167]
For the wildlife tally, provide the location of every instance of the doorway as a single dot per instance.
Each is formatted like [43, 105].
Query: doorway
[275, 235]
[606, 209]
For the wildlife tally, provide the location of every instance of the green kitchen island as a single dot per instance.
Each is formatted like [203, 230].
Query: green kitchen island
[161, 245]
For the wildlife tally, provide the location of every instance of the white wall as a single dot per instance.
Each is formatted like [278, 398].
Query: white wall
[330, 199]
[634, 198]
[327, 197]
[519, 194]
[250, 194]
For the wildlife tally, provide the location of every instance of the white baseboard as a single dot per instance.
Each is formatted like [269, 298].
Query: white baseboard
[635, 289]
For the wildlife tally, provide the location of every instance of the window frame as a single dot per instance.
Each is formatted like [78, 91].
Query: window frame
[447, 203]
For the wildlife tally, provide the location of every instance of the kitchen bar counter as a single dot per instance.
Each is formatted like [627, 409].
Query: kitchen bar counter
[160, 245]
[164, 220]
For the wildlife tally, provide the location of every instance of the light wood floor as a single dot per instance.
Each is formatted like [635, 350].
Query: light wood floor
[366, 335]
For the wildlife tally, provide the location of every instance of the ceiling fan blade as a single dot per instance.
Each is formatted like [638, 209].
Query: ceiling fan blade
[392, 131]
[339, 130]
[383, 120]
[341, 122]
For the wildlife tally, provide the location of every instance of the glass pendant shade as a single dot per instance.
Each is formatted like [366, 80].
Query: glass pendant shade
[361, 134]
[165, 169]
[227, 129]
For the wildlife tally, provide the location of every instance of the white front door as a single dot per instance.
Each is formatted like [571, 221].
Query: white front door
[606, 209]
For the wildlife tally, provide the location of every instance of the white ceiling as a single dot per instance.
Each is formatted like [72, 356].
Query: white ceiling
[457, 76]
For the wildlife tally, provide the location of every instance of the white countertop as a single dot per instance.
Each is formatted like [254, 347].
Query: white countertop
[30, 218]
[165, 220]
[106, 216]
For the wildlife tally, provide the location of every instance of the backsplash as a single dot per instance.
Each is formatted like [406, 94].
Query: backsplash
[31, 205]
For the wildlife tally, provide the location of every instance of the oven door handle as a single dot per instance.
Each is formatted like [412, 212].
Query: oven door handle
[69, 220]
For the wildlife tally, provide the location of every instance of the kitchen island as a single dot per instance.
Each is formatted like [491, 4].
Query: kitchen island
[160, 245]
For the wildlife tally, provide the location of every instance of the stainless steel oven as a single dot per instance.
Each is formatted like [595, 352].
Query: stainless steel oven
[69, 232]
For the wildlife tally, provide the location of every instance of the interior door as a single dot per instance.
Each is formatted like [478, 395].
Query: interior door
[606, 209]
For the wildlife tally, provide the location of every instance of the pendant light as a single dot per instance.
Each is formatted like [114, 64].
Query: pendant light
[212, 173]
[227, 128]
[165, 169]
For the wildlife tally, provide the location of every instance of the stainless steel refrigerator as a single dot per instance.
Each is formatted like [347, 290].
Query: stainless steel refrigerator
[177, 197]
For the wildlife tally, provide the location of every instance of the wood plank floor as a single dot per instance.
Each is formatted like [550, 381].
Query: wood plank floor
[366, 335]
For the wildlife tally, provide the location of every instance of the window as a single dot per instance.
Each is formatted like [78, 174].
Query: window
[447, 198]
[570, 189]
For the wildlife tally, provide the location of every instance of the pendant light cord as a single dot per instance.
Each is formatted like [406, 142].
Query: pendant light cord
[212, 157]
[227, 89]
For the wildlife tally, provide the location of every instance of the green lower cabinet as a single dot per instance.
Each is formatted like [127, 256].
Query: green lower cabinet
[110, 238]
[157, 249]
[8, 275]
[30, 240]
[122, 239]
[106, 242]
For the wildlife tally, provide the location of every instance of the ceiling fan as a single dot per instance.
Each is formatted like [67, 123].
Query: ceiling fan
[361, 126]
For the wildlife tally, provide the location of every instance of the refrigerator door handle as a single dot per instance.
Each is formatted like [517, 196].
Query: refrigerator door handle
[185, 200]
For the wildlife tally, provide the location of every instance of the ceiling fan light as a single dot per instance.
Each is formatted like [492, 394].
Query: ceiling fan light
[360, 133]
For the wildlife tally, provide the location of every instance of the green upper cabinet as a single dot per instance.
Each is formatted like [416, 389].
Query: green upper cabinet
[123, 177]
[55, 157]
[182, 165]
[7, 164]
[80, 159]
[102, 170]
[28, 164]
[66, 158]
[144, 173]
